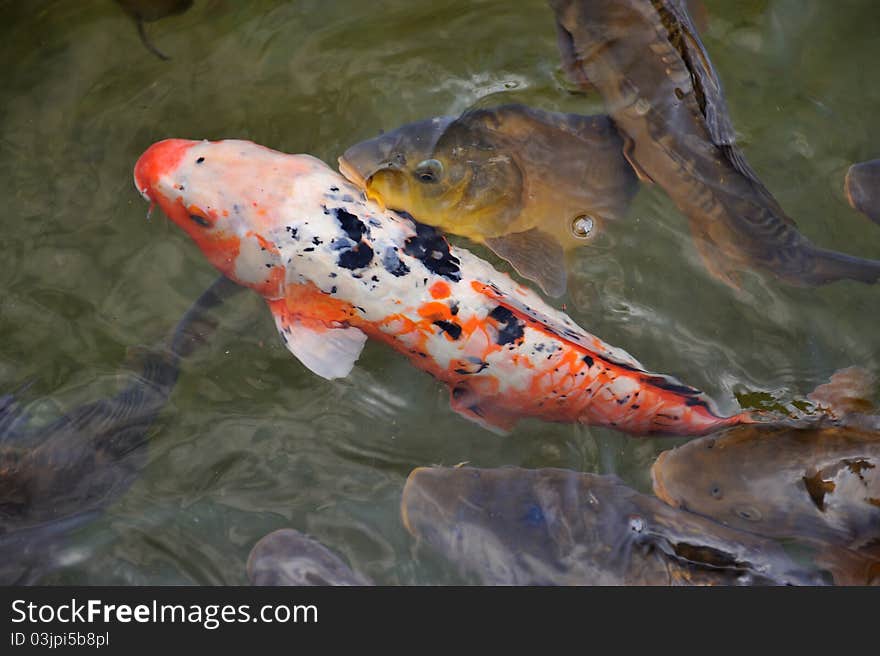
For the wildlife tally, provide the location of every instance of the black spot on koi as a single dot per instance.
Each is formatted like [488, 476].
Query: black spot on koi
[451, 329]
[393, 263]
[664, 384]
[430, 247]
[510, 327]
[357, 257]
[471, 365]
[353, 226]
[361, 253]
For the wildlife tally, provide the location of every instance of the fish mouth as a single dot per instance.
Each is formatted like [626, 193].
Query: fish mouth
[351, 173]
[657, 479]
[156, 161]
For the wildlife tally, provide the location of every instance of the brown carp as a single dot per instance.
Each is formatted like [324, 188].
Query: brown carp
[529, 184]
[646, 59]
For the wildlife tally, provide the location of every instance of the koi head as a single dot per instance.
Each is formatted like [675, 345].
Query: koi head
[228, 196]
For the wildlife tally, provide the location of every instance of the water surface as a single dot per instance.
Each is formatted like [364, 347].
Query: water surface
[252, 441]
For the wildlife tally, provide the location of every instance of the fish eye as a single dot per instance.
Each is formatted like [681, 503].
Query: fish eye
[202, 221]
[429, 170]
[582, 226]
[749, 514]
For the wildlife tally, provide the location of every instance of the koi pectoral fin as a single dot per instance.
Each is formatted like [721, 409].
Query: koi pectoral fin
[535, 255]
[328, 352]
[467, 403]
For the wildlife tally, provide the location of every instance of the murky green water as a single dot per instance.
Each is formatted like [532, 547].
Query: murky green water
[252, 441]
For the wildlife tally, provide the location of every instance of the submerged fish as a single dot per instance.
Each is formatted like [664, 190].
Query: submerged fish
[514, 526]
[287, 557]
[530, 184]
[818, 484]
[646, 59]
[58, 477]
[148, 11]
[863, 188]
[336, 269]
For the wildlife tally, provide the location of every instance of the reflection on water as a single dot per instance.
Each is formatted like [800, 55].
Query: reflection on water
[251, 441]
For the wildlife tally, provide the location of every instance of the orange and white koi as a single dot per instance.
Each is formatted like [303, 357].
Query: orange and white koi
[336, 269]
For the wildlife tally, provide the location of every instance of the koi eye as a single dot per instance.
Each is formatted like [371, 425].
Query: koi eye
[202, 221]
[429, 171]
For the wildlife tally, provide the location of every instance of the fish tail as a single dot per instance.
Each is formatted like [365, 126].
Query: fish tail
[714, 423]
[829, 266]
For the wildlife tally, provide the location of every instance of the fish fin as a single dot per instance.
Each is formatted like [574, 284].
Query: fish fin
[573, 72]
[823, 266]
[628, 147]
[13, 419]
[713, 259]
[535, 255]
[862, 188]
[330, 353]
[848, 391]
[850, 566]
[468, 404]
[699, 13]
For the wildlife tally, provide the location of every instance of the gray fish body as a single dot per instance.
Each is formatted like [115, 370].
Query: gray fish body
[287, 557]
[514, 526]
[58, 477]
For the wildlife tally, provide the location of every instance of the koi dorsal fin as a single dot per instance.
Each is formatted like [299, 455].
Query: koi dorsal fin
[328, 352]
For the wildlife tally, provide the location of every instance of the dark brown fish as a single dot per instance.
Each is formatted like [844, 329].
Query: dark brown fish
[514, 526]
[148, 11]
[529, 184]
[647, 61]
[817, 484]
[60, 476]
[863, 188]
[287, 557]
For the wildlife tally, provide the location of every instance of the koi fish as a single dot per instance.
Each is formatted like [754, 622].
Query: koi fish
[512, 526]
[646, 59]
[335, 268]
[58, 477]
[287, 557]
[863, 188]
[529, 184]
